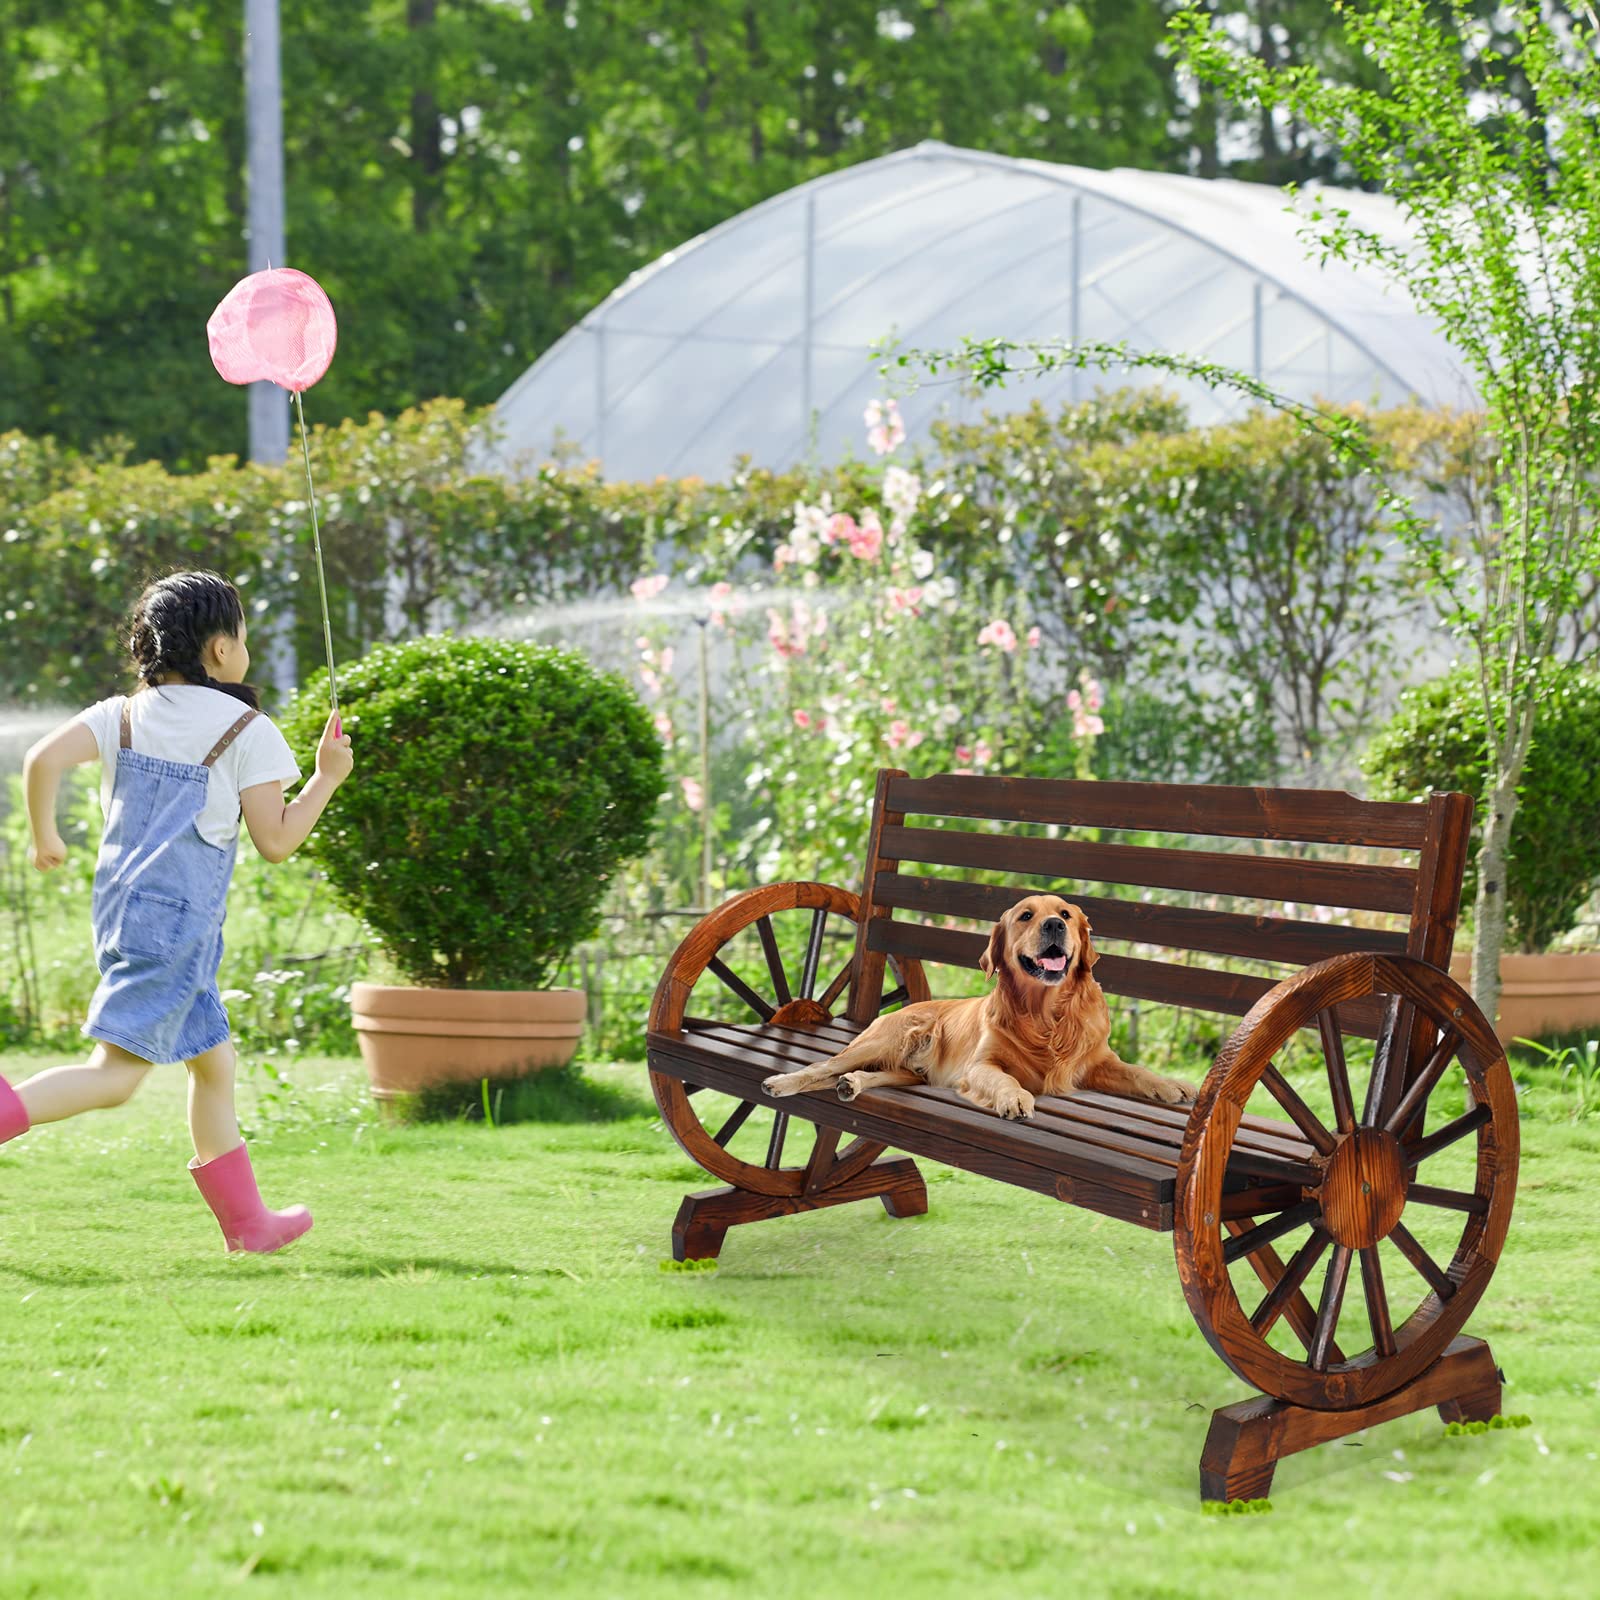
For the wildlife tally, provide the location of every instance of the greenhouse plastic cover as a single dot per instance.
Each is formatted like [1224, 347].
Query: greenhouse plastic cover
[757, 338]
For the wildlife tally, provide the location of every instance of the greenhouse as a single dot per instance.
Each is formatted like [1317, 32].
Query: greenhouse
[758, 337]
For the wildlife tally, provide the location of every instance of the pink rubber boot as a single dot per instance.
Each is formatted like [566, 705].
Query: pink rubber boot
[13, 1117]
[228, 1186]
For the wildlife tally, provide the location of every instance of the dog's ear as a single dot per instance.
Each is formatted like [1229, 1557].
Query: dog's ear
[1086, 951]
[991, 960]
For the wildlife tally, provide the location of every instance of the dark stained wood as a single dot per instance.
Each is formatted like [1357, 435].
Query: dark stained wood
[769, 948]
[1249, 1438]
[1407, 1245]
[1411, 1107]
[1252, 1239]
[1288, 1286]
[1222, 933]
[704, 1219]
[1353, 886]
[1425, 1194]
[1377, 1301]
[1344, 1111]
[1447, 1135]
[821, 1162]
[1308, 816]
[1364, 1189]
[1271, 1270]
[972, 1145]
[866, 978]
[1300, 1114]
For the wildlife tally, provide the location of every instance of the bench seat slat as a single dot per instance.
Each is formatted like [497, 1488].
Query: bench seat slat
[1224, 933]
[1307, 816]
[1075, 1180]
[1354, 886]
[1096, 1145]
[1232, 993]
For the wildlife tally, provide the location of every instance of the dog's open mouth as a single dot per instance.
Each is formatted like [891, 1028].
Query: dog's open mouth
[1048, 966]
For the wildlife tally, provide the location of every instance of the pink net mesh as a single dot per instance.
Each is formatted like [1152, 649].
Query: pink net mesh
[277, 324]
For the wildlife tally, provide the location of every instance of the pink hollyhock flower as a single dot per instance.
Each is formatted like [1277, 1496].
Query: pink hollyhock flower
[649, 680]
[867, 539]
[802, 719]
[1033, 637]
[1085, 725]
[719, 595]
[666, 659]
[664, 725]
[902, 733]
[693, 795]
[841, 529]
[885, 430]
[982, 755]
[782, 556]
[643, 644]
[1092, 696]
[1074, 700]
[648, 588]
[890, 705]
[901, 492]
[963, 755]
[999, 632]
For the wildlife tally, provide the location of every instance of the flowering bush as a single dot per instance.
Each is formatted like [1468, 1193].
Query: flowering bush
[866, 648]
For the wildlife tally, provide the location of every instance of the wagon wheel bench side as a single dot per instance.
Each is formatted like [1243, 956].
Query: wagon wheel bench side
[1230, 1186]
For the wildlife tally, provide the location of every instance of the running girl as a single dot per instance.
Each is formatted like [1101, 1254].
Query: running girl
[181, 759]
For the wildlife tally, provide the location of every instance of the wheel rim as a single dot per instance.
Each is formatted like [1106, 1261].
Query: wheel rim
[774, 957]
[1369, 1169]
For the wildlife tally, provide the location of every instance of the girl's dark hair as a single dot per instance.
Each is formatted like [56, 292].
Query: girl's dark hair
[172, 622]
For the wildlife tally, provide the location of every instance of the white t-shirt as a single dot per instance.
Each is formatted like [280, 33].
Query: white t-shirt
[181, 722]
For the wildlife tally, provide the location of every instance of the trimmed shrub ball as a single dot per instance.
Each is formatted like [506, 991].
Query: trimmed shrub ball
[498, 786]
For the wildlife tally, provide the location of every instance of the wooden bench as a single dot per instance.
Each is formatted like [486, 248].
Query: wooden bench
[1230, 1186]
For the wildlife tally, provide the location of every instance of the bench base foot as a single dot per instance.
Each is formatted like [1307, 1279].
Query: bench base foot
[704, 1219]
[1249, 1438]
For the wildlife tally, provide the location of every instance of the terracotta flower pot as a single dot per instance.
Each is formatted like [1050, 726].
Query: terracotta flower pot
[1542, 995]
[412, 1039]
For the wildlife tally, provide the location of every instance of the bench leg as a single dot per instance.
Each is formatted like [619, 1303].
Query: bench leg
[704, 1219]
[1248, 1439]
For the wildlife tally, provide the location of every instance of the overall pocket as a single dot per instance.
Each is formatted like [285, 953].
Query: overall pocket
[150, 924]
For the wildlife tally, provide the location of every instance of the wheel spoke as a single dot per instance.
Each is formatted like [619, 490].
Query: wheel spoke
[1299, 1112]
[740, 988]
[1416, 1096]
[1344, 1110]
[1377, 1301]
[1406, 1244]
[1424, 1194]
[813, 957]
[1396, 1025]
[780, 1127]
[1247, 1243]
[1328, 1311]
[1285, 1289]
[1447, 1135]
[769, 944]
[734, 1123]
[836, 988]
[895, 997]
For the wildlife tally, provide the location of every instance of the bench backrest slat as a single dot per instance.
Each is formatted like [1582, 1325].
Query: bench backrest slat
[1354, 885]
[1307, 816]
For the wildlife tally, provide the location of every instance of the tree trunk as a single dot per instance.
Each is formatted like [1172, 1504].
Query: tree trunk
[427, 151]
[1490, 908]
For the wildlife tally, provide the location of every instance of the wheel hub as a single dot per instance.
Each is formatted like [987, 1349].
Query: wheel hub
[1364, 1189]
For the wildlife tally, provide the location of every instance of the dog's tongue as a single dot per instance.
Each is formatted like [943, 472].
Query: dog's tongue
[1053, 963]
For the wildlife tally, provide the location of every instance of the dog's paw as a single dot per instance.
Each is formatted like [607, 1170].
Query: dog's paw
[1173, 1091]
[1013, 1101]
[781, 1083]
[850, 1085]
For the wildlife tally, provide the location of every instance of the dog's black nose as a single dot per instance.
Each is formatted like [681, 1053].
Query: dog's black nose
[1053, 925]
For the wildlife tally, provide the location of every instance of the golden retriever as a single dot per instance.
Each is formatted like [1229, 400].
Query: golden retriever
[1043, 1028]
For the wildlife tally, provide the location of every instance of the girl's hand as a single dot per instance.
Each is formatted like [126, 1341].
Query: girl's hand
[49, 852]
[334, 760]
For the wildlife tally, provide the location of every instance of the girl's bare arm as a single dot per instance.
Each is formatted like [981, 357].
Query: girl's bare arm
[71, 745]
[280, 827]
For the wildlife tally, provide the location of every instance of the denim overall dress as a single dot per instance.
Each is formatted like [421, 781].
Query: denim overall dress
[160, 894]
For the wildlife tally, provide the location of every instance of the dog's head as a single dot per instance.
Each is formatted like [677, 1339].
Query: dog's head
[1041, 939]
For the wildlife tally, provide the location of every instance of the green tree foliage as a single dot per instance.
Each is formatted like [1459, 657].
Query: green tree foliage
[500, 787]
[1438, 740]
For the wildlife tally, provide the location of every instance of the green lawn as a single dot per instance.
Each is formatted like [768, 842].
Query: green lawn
[475, 1378]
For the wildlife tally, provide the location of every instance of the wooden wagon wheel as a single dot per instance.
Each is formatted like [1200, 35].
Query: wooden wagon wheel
[1366, 1171]
[709, 1124]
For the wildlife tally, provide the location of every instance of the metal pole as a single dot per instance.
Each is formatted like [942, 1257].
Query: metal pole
[1255, 330]
[1075, 327]
[269, 405]
[808, 422]
[705, 766]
